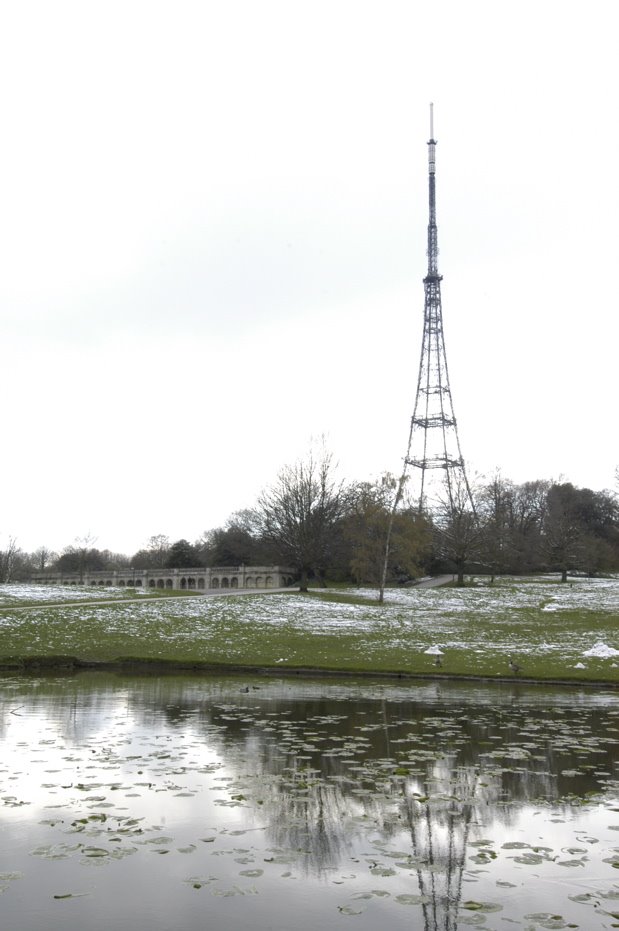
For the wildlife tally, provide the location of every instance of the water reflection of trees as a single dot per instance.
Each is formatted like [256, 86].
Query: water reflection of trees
[328, 769]
[323, 770]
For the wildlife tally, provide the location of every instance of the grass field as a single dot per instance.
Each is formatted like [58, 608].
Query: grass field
[547, 627]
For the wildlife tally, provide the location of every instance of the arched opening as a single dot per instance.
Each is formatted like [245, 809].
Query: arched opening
[269, 581]
[151, 583]
[160, 583]
[138, 583]
[249, 582]
[234, 582]
[224, 582]
[215, 583]
[191, 583]
[169, 583]
[183, 583]
[121, 583]
[200, 583]
[259, 581]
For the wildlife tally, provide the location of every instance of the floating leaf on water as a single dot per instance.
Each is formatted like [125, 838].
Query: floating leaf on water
[95, 852]
[530, 859]
[251, 873]
[55, 851]
[485, 856]
[121, 852]
[474, 906]
[410, 899]
[349, 910]
[548, 920]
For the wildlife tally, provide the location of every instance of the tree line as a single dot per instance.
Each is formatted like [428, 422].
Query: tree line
[328, 529]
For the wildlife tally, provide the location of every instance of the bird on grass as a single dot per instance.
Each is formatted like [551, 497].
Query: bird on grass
[515, 668]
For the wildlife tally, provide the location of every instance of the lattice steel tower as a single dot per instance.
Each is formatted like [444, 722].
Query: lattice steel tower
[433, 443]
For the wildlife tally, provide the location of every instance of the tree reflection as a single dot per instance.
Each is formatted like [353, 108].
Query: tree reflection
[339, 776]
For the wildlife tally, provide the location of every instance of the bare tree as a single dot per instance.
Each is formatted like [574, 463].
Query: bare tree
[495, 507]
[7, 559]
[457, 529]
[42, 558]
[159, 548]
[299, 513]
[83, 546]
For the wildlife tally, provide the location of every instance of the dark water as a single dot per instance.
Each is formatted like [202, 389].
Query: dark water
[219, 803]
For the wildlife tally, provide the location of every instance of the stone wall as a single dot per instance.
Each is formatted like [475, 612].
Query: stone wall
[211, 579]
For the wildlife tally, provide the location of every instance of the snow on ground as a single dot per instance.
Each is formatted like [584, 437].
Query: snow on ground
[16, 592]
[601, 650]
[535, 616]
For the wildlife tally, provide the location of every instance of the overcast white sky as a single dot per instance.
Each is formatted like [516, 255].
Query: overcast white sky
[213, 226]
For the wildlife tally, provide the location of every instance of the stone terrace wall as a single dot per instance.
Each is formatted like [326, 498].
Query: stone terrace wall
[211, 579]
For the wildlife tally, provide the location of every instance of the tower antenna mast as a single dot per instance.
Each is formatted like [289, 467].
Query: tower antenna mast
[433, 443]
[433, 449]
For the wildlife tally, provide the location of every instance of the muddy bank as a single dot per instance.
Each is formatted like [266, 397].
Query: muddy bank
[144, 666]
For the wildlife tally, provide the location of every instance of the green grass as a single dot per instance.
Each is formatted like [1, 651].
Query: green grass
[544, 625]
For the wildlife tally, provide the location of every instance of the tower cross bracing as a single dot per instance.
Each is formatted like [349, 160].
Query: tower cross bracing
[433, 443]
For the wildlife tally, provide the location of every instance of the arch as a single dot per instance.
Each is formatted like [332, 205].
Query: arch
[249, 581]
[224, 582]
[269, 581]
[108, 582]
[93, 582]
[259, 581]
[160, 583]
[200, 583]
[138, 583]
[121, 583]
[191, 583]
[169, 583]
[215, 582]
[151, 583]
[183, 583]
[234, 582]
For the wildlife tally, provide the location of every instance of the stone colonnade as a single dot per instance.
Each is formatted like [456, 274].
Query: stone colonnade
[192, 579]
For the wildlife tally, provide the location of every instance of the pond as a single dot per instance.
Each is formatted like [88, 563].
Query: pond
[172, 802]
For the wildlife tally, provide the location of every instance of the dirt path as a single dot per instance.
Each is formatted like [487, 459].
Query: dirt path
[435, 582]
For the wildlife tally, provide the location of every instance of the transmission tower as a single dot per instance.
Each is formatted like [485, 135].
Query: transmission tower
[433, 443]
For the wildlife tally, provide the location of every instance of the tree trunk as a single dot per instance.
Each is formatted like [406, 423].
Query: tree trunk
[303, 581]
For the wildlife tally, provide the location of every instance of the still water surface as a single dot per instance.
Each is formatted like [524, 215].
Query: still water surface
[224, 803]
